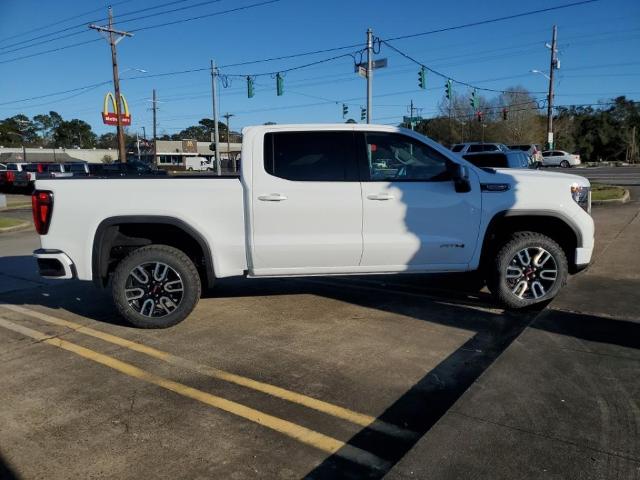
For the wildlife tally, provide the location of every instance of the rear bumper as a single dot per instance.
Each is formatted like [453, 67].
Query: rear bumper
[54, 264]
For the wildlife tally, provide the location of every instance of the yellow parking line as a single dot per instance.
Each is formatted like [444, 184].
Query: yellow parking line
[279, 392]
[315, 439]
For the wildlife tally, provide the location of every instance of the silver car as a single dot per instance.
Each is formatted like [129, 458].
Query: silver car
[560, 158]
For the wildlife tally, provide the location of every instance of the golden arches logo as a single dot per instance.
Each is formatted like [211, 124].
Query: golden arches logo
[111, 118]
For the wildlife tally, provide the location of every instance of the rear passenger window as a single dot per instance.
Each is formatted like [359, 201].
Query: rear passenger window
[475, 148]
[311, 156]
[457, 148]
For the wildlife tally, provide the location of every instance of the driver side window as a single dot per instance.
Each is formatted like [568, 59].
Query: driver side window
[393, 157]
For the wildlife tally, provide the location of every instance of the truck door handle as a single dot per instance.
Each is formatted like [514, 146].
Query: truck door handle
[380, 196]
[272, 197]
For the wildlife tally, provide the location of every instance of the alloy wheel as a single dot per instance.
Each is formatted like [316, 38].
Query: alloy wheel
[154, 289]
[531, 273]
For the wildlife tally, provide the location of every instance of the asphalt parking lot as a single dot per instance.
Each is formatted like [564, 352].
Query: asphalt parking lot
[364, 377]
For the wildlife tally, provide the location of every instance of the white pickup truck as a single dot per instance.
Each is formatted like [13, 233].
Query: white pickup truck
[315, 200]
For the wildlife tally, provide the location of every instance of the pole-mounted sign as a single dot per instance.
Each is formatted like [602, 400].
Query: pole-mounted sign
[111, 118]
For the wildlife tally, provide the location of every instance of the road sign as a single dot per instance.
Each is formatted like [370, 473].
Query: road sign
[361, 68]
[411, 119]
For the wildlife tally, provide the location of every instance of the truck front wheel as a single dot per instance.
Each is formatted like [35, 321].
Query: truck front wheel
[529, 268]
[156, 286]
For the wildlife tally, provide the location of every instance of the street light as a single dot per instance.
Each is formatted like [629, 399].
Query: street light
[134, 69]
[541, 73]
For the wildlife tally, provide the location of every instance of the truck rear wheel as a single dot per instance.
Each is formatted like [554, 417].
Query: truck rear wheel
[156, 286]
[529, 268]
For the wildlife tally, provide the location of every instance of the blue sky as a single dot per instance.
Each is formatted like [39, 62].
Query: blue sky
[599, 44]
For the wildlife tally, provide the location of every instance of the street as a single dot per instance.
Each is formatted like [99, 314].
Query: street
[625, 176]
[403, 377]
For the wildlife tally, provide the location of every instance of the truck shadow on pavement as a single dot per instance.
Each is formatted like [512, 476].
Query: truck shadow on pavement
[6, 472]
[421, 406]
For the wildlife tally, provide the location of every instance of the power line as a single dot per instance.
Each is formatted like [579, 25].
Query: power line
[44, 52]
[199, 17]
[237, 9]
[83, 25]
[492, 20]
[447, 77]
[56, 93]
[38, 29]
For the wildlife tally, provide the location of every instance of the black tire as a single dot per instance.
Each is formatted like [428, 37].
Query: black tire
[564, 164]
[503, 287]
[180, 269]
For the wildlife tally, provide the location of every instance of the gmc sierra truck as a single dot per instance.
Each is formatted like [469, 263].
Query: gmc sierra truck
[315, 200]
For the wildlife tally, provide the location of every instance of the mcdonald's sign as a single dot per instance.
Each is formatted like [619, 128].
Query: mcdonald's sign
[111, 118]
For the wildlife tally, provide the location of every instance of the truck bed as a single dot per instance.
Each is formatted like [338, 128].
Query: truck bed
[211, 205]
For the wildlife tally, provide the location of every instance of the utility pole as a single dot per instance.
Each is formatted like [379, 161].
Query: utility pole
[155, 114]
[138, 145]
[369, 74]
[411, 110]
[113, 41]
[214, 104]
[227, 116]
[553, 66]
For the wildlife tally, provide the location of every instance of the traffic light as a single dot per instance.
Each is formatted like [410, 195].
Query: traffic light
[250, 91]
[363, 113]
[505, 113]
[345, 110]
[279, 84]
[479, 115]
[474, 100]
[449, 89]
[422, 78]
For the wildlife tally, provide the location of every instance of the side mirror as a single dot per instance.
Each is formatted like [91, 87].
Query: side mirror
[461, 178]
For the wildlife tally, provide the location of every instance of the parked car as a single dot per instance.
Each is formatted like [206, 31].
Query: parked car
[475, 147]
[559, 158]
[511, 159]
[12, 173]
[118, 169]
[532, 149]
[315, 200]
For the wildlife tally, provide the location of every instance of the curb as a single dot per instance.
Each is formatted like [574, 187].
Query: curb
[15, 228]
[624, 199]
[23, 206]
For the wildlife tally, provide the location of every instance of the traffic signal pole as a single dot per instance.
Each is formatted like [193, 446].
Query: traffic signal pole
[214, 102]
[552, 67]
[113, 41]
[369, 74]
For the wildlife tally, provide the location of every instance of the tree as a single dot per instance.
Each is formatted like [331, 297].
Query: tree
[46, 125]
[74, 133]
[18, 130]
[107, 140]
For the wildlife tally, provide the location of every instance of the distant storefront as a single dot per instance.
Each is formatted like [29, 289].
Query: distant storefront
[172, 154]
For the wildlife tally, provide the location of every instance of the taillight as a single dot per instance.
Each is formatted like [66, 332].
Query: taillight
[42, 207]
[11, 177]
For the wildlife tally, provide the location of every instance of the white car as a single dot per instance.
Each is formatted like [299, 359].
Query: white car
[332, 199]
[559, 158]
